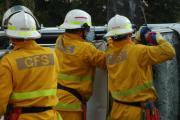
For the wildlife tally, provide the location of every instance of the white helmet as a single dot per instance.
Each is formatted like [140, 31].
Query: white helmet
[14, 10]
[119, 25]
[76, 19]
[23, 26]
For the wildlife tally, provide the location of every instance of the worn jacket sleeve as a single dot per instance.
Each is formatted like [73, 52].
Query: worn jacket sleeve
[56, 65]
[5, 84]
[95, 57]
[150, 55]
[57, 42]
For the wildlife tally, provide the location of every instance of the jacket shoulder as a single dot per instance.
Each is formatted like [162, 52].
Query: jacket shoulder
[5, 53]
[88, 45]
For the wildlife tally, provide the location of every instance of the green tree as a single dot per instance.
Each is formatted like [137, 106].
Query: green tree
[52, 13]
[97, 9]
[5, 4]
[163, 11]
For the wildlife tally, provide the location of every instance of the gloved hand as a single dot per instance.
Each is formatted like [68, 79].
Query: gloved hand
[151, 38]
[140, 34]
[143, 31]
[145, 36]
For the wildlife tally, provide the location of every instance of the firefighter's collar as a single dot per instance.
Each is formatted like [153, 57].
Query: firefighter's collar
[122, 43]
[69, 36]
[30, 43]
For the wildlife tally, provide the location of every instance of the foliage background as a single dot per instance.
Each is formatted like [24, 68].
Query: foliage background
[52, 12]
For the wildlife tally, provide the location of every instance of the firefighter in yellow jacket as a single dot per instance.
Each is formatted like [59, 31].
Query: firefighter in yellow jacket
[77, 60]
[28, 74]
[130, 69]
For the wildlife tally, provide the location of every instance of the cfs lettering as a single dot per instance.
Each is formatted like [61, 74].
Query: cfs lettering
[35, 61]
[116, 58]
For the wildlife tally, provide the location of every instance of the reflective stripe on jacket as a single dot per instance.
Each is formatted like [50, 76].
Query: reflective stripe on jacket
[62, 76]
[130, 68]
[33, 94]
[77, 61]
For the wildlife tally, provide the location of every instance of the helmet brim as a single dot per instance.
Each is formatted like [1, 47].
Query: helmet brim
[23, 34]
[118, 32]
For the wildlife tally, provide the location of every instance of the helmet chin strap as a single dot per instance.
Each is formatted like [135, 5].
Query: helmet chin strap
[85, 28]
[83, 34]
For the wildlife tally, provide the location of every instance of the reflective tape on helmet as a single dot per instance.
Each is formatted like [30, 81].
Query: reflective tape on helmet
[125, 26]
[117, 94]
[68, 106]
[79, 23]
[23, 29]
[25, 34]
[75, 22]
[33, 94]
[62, 76]
[12, 28]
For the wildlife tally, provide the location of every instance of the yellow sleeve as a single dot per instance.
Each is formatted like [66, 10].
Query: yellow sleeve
[150, 55]
[95, 57]
[56, 64]
[57, 42]
[6, 86]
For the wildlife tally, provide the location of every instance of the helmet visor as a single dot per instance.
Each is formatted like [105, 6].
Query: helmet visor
[13, 10]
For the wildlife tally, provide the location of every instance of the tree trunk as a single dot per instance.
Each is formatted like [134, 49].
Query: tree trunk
[7, 4]
[128, 8]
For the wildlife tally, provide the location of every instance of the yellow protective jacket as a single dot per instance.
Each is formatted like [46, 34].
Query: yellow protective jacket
[130, 69]
[77, 61]
[28, 78]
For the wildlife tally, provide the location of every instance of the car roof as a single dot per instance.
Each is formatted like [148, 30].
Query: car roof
[2, 33]
[168, 27]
